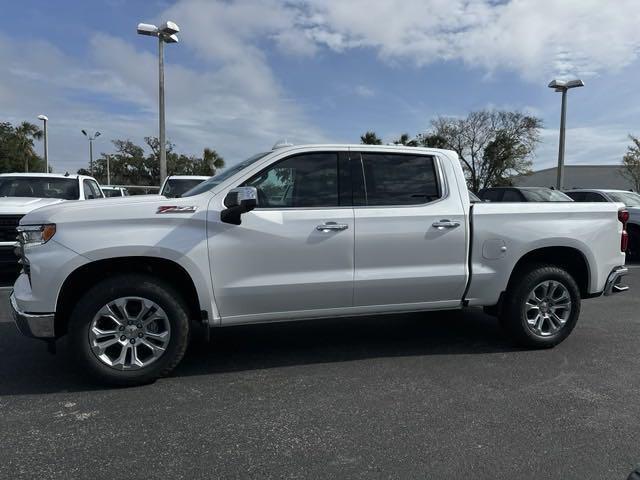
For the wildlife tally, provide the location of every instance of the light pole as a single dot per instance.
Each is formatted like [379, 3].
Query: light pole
[563, 87]
[166, 33]
[45, 119]
[91, 139]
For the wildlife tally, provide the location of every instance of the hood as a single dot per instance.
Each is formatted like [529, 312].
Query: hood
[23, 205]
[135, 206]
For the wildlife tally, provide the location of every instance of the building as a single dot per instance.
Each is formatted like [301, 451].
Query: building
[578, 176]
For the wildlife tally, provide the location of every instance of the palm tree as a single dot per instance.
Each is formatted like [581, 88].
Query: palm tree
[405, 140]
[211, 159]
[370, 138]
[26, 133]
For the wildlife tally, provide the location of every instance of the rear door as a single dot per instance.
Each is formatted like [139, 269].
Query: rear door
[410, 242]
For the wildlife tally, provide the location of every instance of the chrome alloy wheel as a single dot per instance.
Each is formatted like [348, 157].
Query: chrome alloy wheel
[129, 333]
[547, 309]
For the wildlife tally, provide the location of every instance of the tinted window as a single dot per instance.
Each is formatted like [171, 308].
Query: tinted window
[490, 194]
[544, 195]
[39, 187]
[88, 192]
[112, 192]
[307, 180]
[394, 179]
[175, 187]
[578, 196]
[512, 196]
[592, 197]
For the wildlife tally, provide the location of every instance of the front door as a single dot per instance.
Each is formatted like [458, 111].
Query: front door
[410, 233]
[293, 255]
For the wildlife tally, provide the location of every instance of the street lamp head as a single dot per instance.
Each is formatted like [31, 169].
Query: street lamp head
[97, 134]
[148, 29]
[170, 39]
[84, 132]
[560, 85]
[168, 28]
[575, 83]
[43, 117]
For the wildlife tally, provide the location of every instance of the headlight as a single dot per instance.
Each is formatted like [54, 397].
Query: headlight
[35, 234]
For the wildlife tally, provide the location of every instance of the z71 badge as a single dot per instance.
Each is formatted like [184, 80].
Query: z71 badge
[176, 209]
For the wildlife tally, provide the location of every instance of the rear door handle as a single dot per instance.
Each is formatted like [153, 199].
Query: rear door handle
[331, 227]
[442, 224]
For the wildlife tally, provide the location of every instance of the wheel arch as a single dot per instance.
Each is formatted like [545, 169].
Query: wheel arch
[86, 276]
[570, 259]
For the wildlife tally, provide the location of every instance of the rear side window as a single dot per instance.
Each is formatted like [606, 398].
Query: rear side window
[578, 196]
[387, 179]
[491, 195]
[592, 197]
[307, 180]
[512, 196]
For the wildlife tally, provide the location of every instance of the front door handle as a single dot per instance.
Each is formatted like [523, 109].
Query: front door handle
[442, 224]
[331, 227]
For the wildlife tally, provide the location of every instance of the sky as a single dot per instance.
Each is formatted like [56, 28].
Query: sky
[248, 73]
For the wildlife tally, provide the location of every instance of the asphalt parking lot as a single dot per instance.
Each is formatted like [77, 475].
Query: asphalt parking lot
[412, 396]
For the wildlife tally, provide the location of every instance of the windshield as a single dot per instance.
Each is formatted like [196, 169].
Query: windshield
[545, 195]
[40, 187]
[221, 177]
[630, 199]
[175, 187]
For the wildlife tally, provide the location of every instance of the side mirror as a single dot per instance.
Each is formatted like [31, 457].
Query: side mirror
[238, 201]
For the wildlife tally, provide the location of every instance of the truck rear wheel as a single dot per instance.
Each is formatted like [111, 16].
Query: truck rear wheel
[129, 330]
[541, 306]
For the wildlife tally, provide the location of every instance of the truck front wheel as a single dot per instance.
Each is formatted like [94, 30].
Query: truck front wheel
[541, 306]
[129, 330]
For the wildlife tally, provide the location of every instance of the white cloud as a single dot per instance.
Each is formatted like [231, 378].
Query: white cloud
[535, 38]
[589, 145]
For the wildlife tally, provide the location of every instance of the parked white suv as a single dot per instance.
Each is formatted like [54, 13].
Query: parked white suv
[305, 232]
[21, 193]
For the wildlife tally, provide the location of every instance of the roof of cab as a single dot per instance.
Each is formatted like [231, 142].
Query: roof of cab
[42, 174]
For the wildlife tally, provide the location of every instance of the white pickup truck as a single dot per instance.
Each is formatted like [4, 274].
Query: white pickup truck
[305, 232]
[20, 193]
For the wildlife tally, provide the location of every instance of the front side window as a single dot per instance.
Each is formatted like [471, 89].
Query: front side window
[394, 179]
[306, 180]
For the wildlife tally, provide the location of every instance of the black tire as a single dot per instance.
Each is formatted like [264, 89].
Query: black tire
[512, 317]
[130, 285]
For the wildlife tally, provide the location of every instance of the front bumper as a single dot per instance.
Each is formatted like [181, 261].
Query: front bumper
[35, 325]
[613, 284]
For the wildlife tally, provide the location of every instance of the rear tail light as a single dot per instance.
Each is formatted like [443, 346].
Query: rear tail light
[623, 216]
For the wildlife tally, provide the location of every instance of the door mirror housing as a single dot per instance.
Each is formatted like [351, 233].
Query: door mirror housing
[238, 201]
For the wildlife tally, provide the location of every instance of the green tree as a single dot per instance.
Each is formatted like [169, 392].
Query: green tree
[370, 138]
[17, 149]
[406, 140]
[212, 162]
[131, 165]
[492, 145]
[631, 163]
